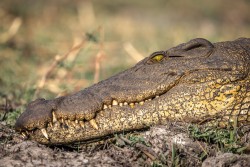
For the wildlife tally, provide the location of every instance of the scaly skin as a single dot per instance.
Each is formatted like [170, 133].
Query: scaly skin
[195, 82]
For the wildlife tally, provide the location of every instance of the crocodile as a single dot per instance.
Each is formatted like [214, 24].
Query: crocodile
[197, 82]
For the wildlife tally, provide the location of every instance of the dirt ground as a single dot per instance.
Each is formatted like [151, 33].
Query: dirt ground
[159, 146]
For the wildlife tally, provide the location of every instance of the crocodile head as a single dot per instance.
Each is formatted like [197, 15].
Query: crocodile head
[196, 82]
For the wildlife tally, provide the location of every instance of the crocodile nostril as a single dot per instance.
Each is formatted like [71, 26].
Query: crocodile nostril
[172, 73]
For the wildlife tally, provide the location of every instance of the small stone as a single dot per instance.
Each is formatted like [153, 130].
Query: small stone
[85, 161]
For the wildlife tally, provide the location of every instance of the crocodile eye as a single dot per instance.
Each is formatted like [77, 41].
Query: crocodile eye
[158, 57]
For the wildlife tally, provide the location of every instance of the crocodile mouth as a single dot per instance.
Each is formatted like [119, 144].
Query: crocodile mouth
[62, 127]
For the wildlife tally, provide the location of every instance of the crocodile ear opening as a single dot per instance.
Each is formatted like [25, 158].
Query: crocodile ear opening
[197, 43]
[198, 47]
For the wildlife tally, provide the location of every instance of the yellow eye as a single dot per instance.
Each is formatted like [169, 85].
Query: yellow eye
[158, 57]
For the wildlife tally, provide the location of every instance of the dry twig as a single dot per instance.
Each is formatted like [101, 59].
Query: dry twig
[6, 108]
[17, 22]
[130, 49]
[57, 60]
[99, 56]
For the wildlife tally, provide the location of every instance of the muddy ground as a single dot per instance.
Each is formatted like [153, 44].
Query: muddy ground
[159, 146]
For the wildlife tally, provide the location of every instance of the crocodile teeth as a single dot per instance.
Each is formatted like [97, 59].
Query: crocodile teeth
[157, 96]
[53, 117]
[114, 103]
[50, 124]
[76, 121]
[73, 123]
[24, 135]
[67, 122]
[93, 123]
[62, 120]
[44, 132]
[56, 124]
[105, 106]
[121, 104]
[125, 103]
[81, 124]
[110, 106]
[141, 103]
[132, 105]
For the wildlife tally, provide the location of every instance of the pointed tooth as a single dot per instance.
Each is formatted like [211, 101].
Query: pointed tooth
[105, 106]
[121, 104]
[93, 124]
[125, 103]
[141, 103]
[44, 132]
[110, 106]
[114, 103]
[50, 124]
[149, 99]
[76, 121]
[132, 105]
[67, 122]
[56, 124]
[136, 103]
[24, 135]
[53, 117]
[157, 96]
[73, 123]
[81, 124]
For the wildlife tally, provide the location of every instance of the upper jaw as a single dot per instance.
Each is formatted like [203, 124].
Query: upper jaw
[54, 130]
[84, 105]
[40, 113]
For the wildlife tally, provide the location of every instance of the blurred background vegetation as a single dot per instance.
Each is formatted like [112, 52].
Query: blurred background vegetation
[53, 48]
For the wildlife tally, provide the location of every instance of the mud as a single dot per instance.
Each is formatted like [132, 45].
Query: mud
[160, 145]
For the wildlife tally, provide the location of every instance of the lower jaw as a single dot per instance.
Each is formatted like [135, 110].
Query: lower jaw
[109, 122]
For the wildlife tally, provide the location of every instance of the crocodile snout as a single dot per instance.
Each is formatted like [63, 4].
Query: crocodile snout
[37, 114]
